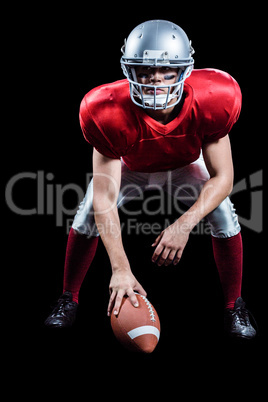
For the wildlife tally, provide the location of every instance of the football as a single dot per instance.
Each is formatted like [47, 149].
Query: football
[137, 328]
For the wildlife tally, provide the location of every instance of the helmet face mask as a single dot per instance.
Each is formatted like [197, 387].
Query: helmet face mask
[157, 44]
[154, 100]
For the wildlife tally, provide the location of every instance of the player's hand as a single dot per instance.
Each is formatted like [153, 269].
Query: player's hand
[123, 283]
[170, 244]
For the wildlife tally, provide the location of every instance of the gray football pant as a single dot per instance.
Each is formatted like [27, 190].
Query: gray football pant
[183, 183]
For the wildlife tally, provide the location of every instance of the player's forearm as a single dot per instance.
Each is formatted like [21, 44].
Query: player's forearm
[108, 224]
[212, 194]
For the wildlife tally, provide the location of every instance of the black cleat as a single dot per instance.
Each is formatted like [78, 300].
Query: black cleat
[237, 323]
[64, 314]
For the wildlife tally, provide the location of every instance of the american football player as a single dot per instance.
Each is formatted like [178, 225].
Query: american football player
[166, 124]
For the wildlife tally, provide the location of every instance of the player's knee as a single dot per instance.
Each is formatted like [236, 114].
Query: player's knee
[224, 220]
[84, 228]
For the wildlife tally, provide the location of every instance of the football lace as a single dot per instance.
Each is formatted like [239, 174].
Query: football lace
[150, 307]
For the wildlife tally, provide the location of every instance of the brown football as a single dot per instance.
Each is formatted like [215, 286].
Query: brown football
[137, 328]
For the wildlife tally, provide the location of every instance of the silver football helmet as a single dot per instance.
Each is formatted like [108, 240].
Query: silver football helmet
[157, 43]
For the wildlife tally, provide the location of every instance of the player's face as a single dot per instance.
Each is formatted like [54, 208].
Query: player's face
[156, 76]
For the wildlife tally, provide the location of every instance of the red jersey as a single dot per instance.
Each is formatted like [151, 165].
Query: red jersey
[117, 127]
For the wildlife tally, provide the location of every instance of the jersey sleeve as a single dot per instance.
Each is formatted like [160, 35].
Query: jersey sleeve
[225, 110]
[94, 133]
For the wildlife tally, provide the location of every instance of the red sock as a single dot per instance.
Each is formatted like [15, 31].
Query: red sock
[228, 254]
[80, 252]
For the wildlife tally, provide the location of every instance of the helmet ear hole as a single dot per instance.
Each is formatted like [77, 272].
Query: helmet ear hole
[180, 74]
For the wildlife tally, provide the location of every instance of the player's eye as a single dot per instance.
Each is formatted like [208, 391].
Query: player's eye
[169, 77]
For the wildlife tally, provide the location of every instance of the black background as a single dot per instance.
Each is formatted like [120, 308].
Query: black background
[55, 57]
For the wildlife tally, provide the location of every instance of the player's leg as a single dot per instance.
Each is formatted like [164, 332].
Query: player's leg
[228, 254]
[226, 239]
[80, 250]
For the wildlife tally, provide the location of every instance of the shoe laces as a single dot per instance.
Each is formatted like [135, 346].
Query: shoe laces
[60, 306]
[243, 314]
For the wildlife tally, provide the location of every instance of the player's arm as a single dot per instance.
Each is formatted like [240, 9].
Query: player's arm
[218, 158]
[106, 185]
